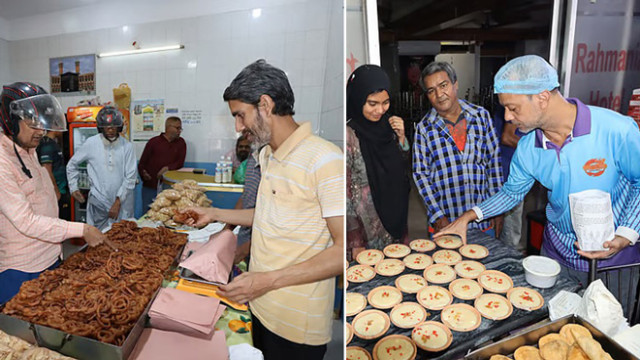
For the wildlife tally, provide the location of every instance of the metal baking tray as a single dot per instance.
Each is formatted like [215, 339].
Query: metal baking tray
[191, 276]
[530, 337]
[79, 347]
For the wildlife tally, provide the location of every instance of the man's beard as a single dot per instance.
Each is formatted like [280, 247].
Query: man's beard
[112, 139]
[261, 133]
[242, 156]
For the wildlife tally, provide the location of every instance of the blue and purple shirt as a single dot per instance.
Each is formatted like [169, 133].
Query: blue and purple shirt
[601, 153]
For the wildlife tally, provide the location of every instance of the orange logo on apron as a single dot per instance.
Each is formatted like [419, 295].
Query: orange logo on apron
[595, 167]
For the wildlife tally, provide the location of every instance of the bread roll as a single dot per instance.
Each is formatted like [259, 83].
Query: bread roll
[592, 348]
[576, 353]
[527, 353]
[572, 331]
[555, 350]
[550, 337]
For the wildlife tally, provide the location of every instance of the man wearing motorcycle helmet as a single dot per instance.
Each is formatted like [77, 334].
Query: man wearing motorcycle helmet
[111, 166]
[30, 232]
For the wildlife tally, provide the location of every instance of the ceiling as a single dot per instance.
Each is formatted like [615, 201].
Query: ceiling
[490, 22]
[12, 9]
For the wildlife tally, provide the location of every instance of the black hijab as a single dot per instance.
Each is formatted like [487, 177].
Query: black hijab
[382, 157]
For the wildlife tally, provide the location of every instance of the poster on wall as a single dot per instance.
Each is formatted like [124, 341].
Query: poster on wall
[147, 119]
[73, 75]
[605, 66]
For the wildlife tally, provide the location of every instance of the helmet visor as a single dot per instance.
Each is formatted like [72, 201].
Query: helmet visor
[40, 112]
[109, 118]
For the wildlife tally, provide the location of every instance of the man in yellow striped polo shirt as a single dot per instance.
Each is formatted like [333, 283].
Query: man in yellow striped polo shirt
[297, 240]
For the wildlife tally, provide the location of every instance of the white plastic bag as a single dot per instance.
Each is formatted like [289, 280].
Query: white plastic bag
[602, 309]
[592, 218]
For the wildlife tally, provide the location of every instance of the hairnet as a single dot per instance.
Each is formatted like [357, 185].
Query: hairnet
[529, 74]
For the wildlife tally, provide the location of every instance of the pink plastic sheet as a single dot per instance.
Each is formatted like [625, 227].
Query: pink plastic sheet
[213, 261]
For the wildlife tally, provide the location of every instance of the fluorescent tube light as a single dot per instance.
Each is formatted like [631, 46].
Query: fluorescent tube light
[141, 51]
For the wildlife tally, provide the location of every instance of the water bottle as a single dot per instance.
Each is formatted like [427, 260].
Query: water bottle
[225, 173]
[229, 169]
[218, 176]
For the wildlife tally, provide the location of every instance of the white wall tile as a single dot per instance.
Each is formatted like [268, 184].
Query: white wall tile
[188, 80]
[242, 24]
[315, 44]
[333, 125]
[296, 19]
[158, 32]
[316, 15]
[173, 32]
[295, 45]
[313, 72]
[310, 99]
[143, 81]
[189, 34]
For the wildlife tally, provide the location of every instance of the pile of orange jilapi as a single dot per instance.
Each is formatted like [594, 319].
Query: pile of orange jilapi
[101, 293]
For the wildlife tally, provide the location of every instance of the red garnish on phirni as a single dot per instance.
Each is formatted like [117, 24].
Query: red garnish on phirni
[393, 348]
[526, 297]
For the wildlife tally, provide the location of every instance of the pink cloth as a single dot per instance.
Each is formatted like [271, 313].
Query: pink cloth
[184, 312]
[213, 261]
[156, 344]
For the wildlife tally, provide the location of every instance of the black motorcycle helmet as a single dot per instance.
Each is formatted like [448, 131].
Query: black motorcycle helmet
[28, 102]
[10, 93]
[109, 116]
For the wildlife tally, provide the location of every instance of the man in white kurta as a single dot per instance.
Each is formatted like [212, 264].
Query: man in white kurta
[111, 166]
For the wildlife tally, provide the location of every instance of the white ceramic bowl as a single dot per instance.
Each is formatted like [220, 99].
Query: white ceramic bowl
[540, 271]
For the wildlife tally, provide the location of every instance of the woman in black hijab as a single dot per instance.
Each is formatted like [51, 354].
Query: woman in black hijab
[377, 183]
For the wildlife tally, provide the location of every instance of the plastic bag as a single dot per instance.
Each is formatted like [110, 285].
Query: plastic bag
[122, 96]
[238, 176]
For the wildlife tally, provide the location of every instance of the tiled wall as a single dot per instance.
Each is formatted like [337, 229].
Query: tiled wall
[304, 39]
[332, 118]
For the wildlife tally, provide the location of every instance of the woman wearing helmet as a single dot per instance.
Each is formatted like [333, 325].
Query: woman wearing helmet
[30, 231]
[111, 165]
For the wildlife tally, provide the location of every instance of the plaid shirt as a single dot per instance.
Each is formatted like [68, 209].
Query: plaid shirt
[451, 181]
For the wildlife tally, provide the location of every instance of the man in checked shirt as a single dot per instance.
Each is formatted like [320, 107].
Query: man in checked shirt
[456, 153]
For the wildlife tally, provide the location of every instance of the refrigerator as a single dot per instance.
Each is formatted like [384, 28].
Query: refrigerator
[82, 125]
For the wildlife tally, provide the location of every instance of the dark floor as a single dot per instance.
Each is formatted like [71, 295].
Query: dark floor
[335, 349]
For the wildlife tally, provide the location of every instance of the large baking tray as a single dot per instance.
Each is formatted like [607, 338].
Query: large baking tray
[79, 347]
[530, 337]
